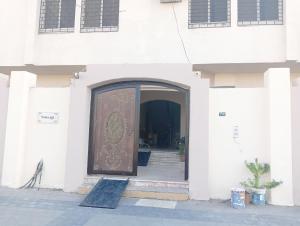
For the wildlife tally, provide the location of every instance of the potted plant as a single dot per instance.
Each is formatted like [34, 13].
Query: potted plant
[255, 184]
[248, 197]
[181, 147]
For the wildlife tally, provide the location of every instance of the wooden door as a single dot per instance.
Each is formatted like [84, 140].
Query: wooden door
[114, 131]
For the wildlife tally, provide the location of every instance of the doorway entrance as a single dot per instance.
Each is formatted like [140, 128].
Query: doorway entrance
[160, 124]
[122, 115]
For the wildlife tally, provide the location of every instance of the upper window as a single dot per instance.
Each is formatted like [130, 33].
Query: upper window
[57, 16]
[209, 13]
[260, 12]
[99, 15]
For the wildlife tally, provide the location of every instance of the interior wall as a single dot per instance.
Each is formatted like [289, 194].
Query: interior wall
[3, 109]
[47, 141]
[238, 132]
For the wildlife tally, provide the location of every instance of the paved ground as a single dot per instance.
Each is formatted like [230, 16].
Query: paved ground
[55, 208]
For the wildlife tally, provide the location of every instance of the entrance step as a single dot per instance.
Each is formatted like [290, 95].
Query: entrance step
[146, 189]
[163, 158]
[162, 193]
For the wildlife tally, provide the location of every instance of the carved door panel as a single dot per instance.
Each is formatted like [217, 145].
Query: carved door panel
[113, 132]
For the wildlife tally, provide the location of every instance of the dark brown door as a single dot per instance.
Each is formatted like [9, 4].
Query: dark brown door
[113, 131]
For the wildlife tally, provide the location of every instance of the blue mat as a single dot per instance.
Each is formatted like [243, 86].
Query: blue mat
[105, 194]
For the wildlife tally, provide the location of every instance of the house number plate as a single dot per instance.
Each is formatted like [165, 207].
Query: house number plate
[48, 117]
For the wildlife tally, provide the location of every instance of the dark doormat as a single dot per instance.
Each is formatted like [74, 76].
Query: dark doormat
[105, 194]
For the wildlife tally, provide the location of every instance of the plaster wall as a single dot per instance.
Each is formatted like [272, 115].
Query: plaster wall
[147, 34]
[47, 141]
[239, 80]
[278, 88]
[236, 137]
[21, 82]
[13, 24]
[181, 75]
[296, 142]
[54, 80]
[292, 24]
[3, 109]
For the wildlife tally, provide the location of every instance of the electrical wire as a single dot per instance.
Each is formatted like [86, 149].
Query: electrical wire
[38, 174]
[179, 34]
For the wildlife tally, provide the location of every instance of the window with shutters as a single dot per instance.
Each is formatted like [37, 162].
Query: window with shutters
[252, 12]
[57, 16]
[99, 15]
[209, 13]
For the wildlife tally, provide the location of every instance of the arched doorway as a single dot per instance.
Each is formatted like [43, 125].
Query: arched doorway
[115, 129]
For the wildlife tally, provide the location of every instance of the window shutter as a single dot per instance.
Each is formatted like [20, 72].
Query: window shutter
[110, 16]
[269, 10]
[199, 11]
[218, 10]
[67, 16]
[51, 14]
[92, 13]
[247, 10]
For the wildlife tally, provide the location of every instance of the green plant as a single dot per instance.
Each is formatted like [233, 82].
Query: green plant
[181, 146]
[258, 170]
[181, 149]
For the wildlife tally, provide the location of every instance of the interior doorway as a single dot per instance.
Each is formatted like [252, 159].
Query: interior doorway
[160, 124]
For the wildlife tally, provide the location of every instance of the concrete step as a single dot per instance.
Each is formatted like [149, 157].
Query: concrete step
[164, 158]
[92, 180]
[161, 193]
[164, 190]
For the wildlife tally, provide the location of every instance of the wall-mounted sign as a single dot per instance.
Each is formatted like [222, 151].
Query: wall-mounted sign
[222, 114]
[48, 117]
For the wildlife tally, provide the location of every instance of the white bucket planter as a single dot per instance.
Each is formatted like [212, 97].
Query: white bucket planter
[259, 196]
[259, 191]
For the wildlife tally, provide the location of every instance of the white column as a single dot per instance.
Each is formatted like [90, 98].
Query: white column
[278, 85]
[199, 139]
[3, 110]
[15, 140]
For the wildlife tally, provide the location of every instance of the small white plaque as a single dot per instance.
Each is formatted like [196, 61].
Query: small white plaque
[48, 117]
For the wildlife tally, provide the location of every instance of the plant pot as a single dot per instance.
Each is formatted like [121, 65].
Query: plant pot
[259, 196]
[248, 197]
[238, 198]
[260, 191]
[182, 158]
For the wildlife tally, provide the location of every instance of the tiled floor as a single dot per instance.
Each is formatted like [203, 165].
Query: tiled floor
[164, 165]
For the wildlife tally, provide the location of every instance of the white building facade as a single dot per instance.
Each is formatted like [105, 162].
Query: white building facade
[232, 65]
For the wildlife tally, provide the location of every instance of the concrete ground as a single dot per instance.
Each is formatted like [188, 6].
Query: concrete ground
[56, 208]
